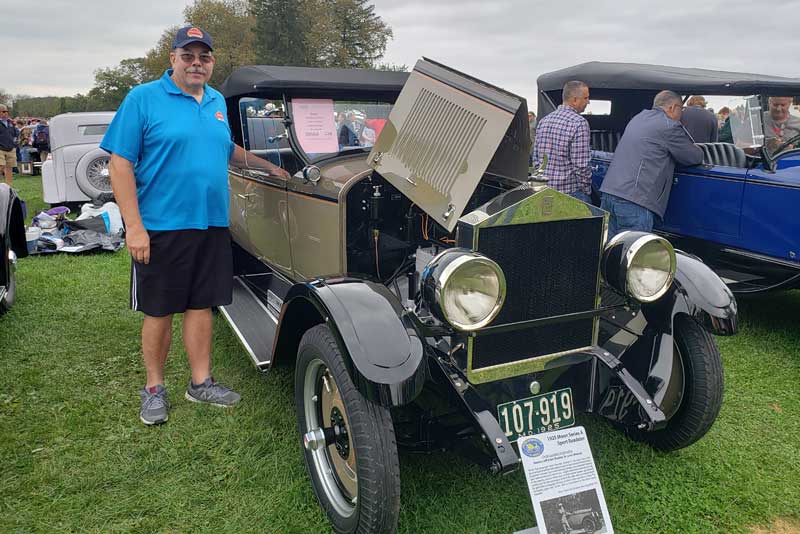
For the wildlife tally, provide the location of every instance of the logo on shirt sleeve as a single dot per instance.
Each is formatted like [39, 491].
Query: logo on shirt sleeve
[219, 116]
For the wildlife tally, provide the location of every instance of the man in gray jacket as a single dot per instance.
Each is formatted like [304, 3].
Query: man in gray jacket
[637, 185]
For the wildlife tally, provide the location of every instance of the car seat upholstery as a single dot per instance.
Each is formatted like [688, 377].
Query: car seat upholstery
[605, 140]
[725, 154]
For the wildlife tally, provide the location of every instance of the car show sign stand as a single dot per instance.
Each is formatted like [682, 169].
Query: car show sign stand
[563, 482]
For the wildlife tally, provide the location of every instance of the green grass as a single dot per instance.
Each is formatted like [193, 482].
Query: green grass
[75, 458]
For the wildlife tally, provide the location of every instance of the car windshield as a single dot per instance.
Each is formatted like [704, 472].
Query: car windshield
[754, 121]
[325, 127]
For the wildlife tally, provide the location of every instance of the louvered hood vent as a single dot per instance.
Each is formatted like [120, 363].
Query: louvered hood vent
[444, 132]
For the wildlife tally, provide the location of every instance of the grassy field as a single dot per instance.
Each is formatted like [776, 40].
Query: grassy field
[75, 458]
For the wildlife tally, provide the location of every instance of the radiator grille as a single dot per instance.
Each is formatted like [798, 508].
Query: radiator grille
[423, 146]
[550, 269]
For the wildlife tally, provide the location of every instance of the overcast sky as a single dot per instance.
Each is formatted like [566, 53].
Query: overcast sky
[54, 47]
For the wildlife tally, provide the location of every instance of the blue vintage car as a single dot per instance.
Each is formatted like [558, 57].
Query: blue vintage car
[736, 210]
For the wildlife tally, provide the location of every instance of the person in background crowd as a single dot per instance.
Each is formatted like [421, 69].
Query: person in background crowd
[563, 137]
[367, 136]
[779, 124]
[700, 123]
[170, 145]
[8, 149]
[637, 185]
[725, 132]
[20, 124]
[41, 139]
[349, 131]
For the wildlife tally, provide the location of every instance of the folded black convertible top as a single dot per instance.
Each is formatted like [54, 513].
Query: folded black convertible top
[256, 78]
[603, 75]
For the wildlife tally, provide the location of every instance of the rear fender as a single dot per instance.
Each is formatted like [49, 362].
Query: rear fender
[382, 347]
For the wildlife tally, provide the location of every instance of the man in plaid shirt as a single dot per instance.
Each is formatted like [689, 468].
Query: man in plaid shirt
[563, 136]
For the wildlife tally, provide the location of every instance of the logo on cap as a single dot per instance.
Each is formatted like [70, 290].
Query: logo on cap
[219, 116]
[194, 32]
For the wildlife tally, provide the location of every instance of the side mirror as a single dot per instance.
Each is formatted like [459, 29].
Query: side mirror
[312, 174]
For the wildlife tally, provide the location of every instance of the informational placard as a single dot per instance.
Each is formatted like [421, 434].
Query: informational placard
[315, 125]
[563, 483]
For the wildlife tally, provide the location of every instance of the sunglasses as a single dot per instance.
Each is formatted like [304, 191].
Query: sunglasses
[187, 57]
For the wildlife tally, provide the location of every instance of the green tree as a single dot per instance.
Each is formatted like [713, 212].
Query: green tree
[319, 33]
[357, 37]
[113, 83]
[231, 28]
[280, 31]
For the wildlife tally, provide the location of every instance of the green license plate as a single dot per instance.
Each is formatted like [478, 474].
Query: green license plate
[534, 415]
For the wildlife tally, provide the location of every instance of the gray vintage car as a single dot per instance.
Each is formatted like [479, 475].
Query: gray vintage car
[77, 170]
[429, 295]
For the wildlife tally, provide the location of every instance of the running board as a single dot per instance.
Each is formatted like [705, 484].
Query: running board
[253, 323]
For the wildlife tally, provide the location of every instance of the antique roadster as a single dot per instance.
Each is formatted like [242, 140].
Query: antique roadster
[428, 295]
[736, 210]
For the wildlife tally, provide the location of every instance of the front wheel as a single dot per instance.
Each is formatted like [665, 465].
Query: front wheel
[702, 383]
[588, 526]
[348, 442]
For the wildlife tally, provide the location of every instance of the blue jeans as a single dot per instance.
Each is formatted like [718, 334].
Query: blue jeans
[580, 195]
[625, 215]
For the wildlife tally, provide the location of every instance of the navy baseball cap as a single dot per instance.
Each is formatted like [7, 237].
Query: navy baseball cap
[191, 34]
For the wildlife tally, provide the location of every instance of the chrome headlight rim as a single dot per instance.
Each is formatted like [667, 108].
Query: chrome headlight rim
[439, 274]
[630, 256]
[619, 255]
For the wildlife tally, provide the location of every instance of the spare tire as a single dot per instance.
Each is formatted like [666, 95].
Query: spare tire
[92, 176]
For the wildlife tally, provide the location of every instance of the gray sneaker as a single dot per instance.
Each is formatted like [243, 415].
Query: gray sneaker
[212, 392]
[155, 405]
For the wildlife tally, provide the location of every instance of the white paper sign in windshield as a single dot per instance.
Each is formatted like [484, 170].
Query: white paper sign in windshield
[315, 125]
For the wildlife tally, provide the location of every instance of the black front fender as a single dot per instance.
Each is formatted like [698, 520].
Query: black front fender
[12, 221]
[384, 350]
[698, 292]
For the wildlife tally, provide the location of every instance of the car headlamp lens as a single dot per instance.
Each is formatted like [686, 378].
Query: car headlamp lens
[464, 289]
[639, 264]
[651, 270]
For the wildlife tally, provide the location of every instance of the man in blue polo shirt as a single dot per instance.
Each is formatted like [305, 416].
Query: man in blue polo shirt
[170, 145]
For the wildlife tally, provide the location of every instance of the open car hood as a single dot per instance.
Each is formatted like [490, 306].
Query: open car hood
[446, 131]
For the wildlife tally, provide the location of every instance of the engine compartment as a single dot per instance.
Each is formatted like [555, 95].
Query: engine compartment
[391, 239]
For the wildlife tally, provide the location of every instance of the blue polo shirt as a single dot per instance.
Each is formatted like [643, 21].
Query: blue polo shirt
[180, 151]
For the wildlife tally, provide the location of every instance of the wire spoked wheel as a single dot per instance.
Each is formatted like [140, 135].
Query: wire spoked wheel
[348, 441]
[97, 174]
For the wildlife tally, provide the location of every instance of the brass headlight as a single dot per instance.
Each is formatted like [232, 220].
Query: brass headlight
[639, 264]
[464, 289]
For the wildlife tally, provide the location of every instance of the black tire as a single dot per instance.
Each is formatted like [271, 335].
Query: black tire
[370, 437]
[10, 278]
[702, 393]
[588, 526]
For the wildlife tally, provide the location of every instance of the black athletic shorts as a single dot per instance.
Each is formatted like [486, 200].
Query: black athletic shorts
[188, 269]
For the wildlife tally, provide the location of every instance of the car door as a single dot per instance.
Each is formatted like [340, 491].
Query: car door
[706, 203]
[770, 225]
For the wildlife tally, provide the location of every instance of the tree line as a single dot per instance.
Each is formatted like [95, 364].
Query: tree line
[311, 33]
